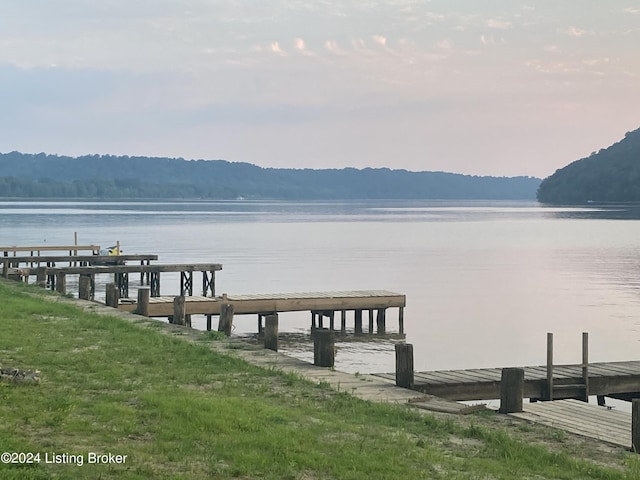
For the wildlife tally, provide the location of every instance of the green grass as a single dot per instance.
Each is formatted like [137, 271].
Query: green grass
[180, 410]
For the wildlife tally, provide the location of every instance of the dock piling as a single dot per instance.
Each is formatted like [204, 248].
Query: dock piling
[585, 366]
[635, 425]
[404, 365]
[143, 301]
[511, 390]
[381, 321]
[41, 277]
[324, 349]
[271, 332]
[358, 322]
[61, 283]
[112, 295]
[84, 287]
[225, 322]
[549, 366]
[179, 310]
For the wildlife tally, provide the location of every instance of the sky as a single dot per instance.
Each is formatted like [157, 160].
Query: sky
[492, 87]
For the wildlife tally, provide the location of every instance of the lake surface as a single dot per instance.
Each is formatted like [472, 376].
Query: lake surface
[485, 281]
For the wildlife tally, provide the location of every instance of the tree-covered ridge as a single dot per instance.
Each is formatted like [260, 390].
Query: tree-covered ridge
[611, 175]
[106, 176]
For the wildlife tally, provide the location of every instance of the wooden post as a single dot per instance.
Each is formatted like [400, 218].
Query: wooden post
[5, 268]
[260, 328]
[357, 328]
[549, 366]
[225, 322]
[585, 365]
[41, 277]
[61, 283]
[332, 314]
[179, 310]
[343, 322]
[635, 425]
[112, 295]
[271, 332]
[401, 321]
[370, 321]
[323, 347]
[313, 320]
[208, 322]
[143, 301]
[404, 365]
[511, 390]
[84, 287]
[381, 320]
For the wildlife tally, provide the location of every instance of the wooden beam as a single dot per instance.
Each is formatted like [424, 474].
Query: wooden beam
[271, 332]
[549, 395]
[323, 347]
[225, 322]
[635, 425]
[143, 301]
[179, 310]
[179, 267]
[84, 287]
[404, 365]
[511, 390]
[585, 365]
[112, 295]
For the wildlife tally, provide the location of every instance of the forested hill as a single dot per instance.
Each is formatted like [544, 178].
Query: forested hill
[99, 176]
[611, 175]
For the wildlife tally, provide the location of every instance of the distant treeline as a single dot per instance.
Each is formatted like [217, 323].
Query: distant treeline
[110, 177]
[611, 175]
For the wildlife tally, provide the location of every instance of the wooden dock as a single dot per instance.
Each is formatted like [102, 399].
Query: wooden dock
[619, 380]
[73, 260]
[321, 305]
[589, 420]
[55, 277]
[37, 250]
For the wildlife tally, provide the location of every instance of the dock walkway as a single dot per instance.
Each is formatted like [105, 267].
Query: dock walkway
[320, 304]
[613, 379]
[149, 274]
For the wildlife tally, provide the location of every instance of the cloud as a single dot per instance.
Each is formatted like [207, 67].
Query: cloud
[500, 24]
[574, 31]
[334, 48]
[632, 10]
[300, 45]
[275, 48]
[380, 40]
[491, 40]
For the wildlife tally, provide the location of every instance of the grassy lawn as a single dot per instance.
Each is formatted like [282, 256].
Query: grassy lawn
[179, 410]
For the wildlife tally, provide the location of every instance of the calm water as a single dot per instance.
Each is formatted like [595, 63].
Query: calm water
[484, 281]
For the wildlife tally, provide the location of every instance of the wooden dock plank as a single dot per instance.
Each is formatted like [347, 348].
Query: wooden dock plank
[584, 419]
[614, 379]
[617, 368]
[157, 268]
[44, 259]
[278, 302]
